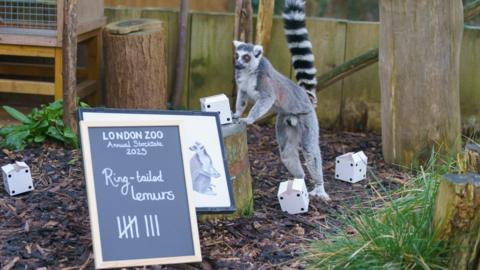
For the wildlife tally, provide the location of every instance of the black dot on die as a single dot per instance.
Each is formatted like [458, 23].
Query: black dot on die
[356, 164]
[302, 209]
[26, 171]
[351, 165]
[351, 179]
[13, 191]
[360, 169]
[228, 119]
[29, 187]
[298, 195]
[338, 161]
[9, 176]
[281, 198]
[208, 106]
[338, 175]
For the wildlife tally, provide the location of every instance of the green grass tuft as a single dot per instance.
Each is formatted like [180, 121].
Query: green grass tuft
[399, 236]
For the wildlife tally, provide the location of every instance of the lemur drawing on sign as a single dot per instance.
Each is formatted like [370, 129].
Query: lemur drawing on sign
[297, 124]
[202, 170]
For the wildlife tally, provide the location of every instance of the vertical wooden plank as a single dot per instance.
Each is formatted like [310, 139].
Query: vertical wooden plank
[58, 73]
[470, 81]
[118, 14]
[211, 59]
[278, 53]
[361, 91]
[328, 40]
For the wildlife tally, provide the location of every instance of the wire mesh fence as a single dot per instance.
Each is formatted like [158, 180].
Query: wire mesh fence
[28, 14]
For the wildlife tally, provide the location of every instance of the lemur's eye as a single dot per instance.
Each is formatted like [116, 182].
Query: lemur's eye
[236, 56]
[246, 58]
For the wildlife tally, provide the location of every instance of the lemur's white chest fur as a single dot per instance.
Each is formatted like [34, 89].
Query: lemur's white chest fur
[247, 82]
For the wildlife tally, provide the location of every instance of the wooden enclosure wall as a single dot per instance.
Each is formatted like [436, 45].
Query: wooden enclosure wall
[352, 104]
[198, 5]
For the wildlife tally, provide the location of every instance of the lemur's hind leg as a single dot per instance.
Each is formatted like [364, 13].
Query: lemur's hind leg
[312, 154]
[288, 139]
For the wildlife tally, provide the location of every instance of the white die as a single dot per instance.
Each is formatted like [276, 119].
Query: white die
[293, 196]
[17, 178]
[351, 167]
[218, 103]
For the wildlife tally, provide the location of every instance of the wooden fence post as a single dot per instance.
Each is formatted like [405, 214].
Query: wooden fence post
[264, 23]
[420, 77]
[69, 65]
[181, 54]
[243, 20]
[457, 219]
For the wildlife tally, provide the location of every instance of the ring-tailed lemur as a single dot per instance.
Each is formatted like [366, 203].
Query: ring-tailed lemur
[297, 124]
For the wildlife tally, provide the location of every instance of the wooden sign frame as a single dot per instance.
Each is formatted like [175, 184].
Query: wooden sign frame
[92, 202]
[183, 114]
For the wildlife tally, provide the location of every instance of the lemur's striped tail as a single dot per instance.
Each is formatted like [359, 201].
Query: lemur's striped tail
[300, 46]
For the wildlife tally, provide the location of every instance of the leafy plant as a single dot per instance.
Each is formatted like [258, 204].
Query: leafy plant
[38, 126]
[399, 236]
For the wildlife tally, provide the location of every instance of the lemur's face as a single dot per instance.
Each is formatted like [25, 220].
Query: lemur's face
[197, 147]
[247, 56]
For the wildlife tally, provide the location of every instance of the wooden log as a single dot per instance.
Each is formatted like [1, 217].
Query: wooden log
[135, 64]
[457, 219]
[264, 23]
[181, 54]
[69, 67]
[420, 84]
[236, 147]
[472, 158]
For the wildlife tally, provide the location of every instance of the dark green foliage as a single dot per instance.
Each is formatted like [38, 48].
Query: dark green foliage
[41, 124]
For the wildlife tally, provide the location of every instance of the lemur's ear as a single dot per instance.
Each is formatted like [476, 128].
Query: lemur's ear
[237, 43]
[258, 50]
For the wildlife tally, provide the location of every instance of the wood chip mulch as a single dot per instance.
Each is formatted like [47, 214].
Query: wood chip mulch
[49, 227]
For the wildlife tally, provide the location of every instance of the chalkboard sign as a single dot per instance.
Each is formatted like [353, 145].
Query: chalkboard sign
[139, 194]
[211, 181]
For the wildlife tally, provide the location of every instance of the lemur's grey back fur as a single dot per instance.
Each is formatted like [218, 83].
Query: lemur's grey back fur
[300, 46]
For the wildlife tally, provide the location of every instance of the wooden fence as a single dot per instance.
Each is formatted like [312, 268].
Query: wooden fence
[352, 104]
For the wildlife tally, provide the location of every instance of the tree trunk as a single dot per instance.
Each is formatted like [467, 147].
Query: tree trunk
[135, 61]
[420, 42]
[236, 148]
[69, 67]
[457, 218]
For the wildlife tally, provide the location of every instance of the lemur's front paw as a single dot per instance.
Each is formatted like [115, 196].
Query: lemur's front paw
[319, 191]
[247, 120]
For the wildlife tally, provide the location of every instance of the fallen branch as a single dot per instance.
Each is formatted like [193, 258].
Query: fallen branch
[471, 10]
[347, 68]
